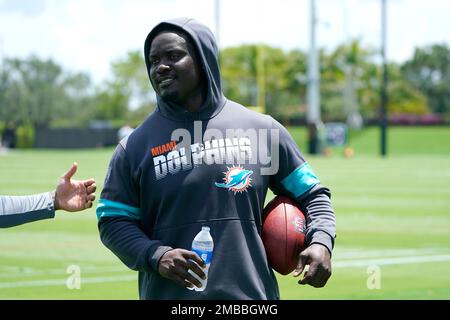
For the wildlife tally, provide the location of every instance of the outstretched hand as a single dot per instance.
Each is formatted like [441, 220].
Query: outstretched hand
[319, 260]
[74, 195]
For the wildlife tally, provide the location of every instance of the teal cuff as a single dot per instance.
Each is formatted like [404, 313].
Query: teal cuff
[300, 180]
[108, 208]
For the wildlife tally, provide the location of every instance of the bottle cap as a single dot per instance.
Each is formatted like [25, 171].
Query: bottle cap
[205, 229]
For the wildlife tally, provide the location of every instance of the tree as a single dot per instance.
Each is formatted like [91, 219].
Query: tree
[128, 93]
[76, 105]
[31, 90]
[40, 93]
[429, 72]
[284, 86]
[403, 97]
[350, 70]
[349, 81]
[239, 74]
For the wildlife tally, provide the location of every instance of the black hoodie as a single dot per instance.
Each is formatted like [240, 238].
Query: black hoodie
[159, 190]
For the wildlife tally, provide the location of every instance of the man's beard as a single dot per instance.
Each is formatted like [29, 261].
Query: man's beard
[171, 96]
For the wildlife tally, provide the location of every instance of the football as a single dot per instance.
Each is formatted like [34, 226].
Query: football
[283, 234]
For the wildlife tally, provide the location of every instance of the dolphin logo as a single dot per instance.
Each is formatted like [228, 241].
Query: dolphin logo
[237, 179]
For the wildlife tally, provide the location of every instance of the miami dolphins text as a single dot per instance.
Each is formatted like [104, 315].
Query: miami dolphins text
[216, 151]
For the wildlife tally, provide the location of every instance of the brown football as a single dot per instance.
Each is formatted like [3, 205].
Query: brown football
[283, 234]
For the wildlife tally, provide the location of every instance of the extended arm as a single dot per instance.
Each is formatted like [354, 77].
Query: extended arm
[17, 210]
[70, 195]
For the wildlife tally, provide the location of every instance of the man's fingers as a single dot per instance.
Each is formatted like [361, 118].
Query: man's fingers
[89, 182]
[195, 264]
[306, 279]
[182, 267]
[187, 284]
[88, 205]
[90, 197]
[316, 276]
[69, 174]
[321, 278]
[301, 265]
[91, 189]
[181, 272]
[310, 275]
[193, 256]
[318, 281]
[319, 271]
[196, 269]
[180, 280]
[190, 278]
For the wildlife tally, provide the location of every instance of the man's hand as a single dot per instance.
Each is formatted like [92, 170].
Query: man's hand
[73, 195]
[319, 259]
[175, 264]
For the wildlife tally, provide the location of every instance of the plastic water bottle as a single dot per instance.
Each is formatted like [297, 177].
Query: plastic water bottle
[203, 245]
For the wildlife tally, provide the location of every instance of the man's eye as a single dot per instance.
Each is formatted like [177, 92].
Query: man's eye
[174, 56]
[154, 61]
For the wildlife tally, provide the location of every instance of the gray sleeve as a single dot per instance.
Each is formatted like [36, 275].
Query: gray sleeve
[321, 220]
[17, 210]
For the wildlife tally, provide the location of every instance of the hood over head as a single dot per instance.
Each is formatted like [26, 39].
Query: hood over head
[203, 40]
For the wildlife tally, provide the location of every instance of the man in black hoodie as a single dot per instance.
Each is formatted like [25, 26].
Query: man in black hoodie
[198, 160]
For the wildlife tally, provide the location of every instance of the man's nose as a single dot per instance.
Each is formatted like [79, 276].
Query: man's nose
[163, 67]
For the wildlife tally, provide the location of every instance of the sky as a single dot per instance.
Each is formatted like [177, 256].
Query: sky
[87, 35]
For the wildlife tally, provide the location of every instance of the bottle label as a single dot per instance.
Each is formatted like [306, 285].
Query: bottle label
[205, 255]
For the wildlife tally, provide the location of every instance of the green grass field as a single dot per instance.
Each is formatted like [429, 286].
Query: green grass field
[393, 216]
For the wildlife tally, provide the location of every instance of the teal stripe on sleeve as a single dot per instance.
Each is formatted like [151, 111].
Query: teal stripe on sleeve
[300, 180]
[108, 208]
